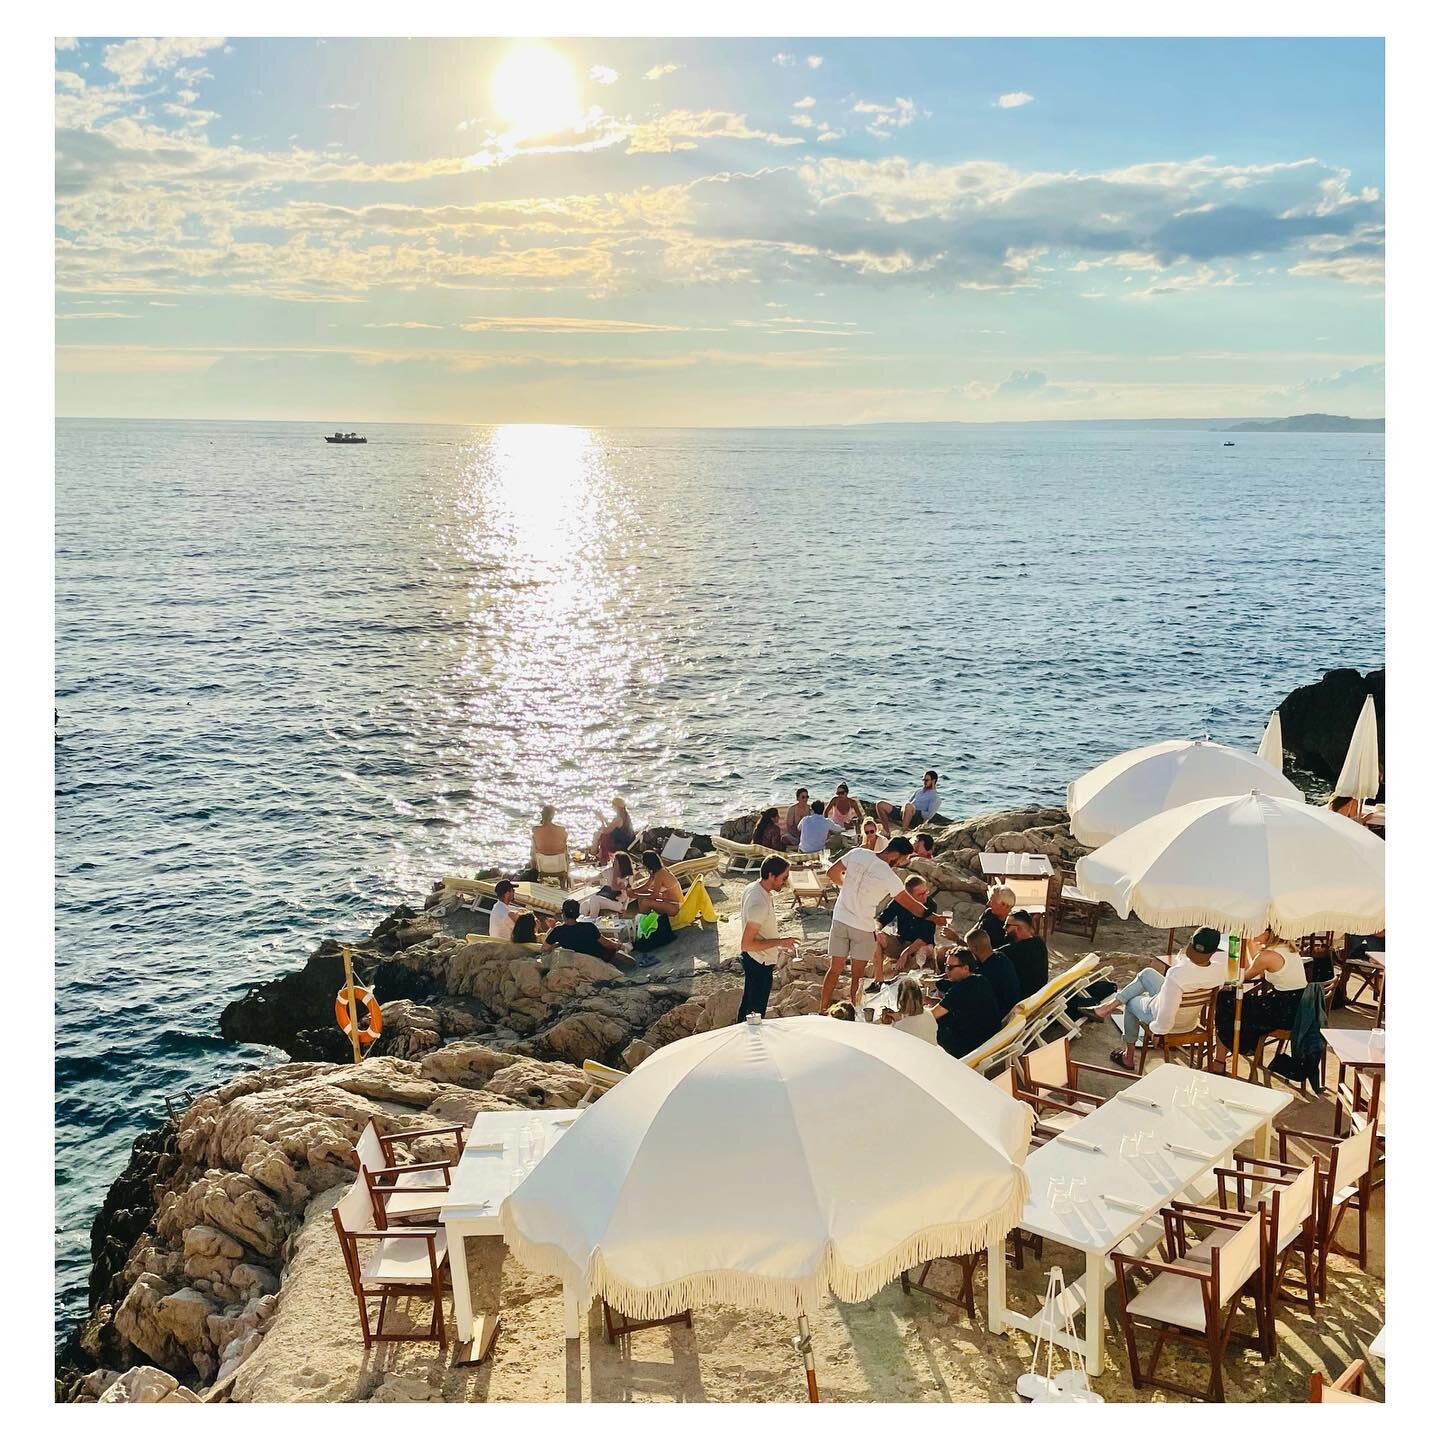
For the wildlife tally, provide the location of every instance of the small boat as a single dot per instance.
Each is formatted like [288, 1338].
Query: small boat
[349, 438]
[1229, 442]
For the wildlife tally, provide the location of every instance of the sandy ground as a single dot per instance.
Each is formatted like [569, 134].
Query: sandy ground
[892, 1347]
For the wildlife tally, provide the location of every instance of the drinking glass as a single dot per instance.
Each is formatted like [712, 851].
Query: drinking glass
[1062, 1203]
[1129, 1145]
[1079, 1191]
[1147, 1142]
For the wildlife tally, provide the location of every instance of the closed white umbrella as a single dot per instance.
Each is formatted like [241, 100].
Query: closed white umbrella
[1123, 791]
[727, 1170]
[1271, 750]
[1360, 774]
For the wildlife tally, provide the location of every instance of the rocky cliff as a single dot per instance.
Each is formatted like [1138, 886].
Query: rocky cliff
[1317, 721]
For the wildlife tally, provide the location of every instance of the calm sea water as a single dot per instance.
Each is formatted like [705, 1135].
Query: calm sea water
[296, 682]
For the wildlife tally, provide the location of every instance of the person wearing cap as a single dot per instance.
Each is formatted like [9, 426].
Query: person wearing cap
[921, 806]
[1026, 952]
[1153, 998]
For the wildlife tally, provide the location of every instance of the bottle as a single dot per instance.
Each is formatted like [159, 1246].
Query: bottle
[1232, 965]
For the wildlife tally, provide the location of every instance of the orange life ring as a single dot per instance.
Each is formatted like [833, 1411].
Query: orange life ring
[364, 1005]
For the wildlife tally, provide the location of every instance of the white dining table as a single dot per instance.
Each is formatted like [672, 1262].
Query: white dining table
[483, 1181]
[1124, 1195]
[1000, 863]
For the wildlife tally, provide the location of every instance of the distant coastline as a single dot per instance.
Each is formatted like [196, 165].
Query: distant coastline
[1318, 424]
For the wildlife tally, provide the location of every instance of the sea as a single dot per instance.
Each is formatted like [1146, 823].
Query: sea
[297, 682]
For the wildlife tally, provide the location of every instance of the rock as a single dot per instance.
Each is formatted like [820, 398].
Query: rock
[636, 1053]
[467, 1064]
[145, 1385]
[1317, 721]
[274, 1012]
[540, 1086]
[947, 877]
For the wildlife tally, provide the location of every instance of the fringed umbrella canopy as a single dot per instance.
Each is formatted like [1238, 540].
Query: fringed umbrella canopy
[1108, 800]
[1272, 749]
[1360, 774]
[1244, 862]
[767, 1163]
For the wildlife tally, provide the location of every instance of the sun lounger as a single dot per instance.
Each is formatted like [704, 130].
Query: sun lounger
[555, 867]
[601, 1078]
[746, 859]
[529, 894]
[674, 849]
[1046, 1007]
[685, 870]
[998, 1050]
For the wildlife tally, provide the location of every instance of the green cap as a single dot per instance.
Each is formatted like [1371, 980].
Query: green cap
[1206, 940]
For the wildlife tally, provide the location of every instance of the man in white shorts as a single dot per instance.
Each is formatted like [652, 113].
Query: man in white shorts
[866, 879]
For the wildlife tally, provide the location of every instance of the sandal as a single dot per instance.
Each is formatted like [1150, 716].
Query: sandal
[1117, 1057]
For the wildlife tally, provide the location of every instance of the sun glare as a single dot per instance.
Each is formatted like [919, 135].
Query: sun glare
[533, 91]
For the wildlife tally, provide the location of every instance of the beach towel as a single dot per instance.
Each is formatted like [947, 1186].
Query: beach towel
[695, 906]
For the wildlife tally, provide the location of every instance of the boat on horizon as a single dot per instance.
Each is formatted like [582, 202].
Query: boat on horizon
[347, 438]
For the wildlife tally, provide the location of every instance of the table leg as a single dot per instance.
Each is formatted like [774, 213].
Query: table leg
[570, 1298]
[1095, 1313]
[459, 1281]
[995, 1281]
[1262, 1141]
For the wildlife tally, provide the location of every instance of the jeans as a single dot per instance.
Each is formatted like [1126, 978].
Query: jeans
[758, 979]
[1138, 999]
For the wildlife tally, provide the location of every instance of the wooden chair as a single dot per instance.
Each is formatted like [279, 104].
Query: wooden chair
[1345, 1185]
[617, 1324]
[1349, 1387]
[1370, 971]
[1194, 1296]
[1053, 1070]
[1071, 911]
[404, 1262]
[1320, 942]
[404, 1194]
[553, 867]
[1191, 1033]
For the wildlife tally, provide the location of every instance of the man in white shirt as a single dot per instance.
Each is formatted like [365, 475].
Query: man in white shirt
[921, 806]
[866, 879]
[1153, 998]
[760, 940]
[502, 912]
[816, 829]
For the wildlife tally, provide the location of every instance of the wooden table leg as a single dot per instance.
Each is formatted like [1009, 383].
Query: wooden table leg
[459, 1281]
[570, 1296]
[997, 1302]
[1095, 1313]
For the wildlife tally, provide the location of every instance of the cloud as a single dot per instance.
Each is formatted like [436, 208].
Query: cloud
[133, 62]
[603, 75]
[884, 120]
[682, 129]
[567, 325]
[783, 60]
[805, 122]
[1013, 100]
[806, 102]
[66, 42]
[659, 72]
[98, 315]
[342, 105]
[1362, 387]
[814, 61]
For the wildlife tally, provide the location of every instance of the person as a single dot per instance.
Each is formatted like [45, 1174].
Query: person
[1273, 1008]
[660, 895]
[816, 829]
[1027, 952]
[841, 1010]
[846, 813]
[999, 902]
[916, 933]
[1344, 805]
[614, 834]
[870, 836]
[522, 931]
[911, 1016]
[967, 1014]
[866, 880]
[922, 805]
[503, 911]
[796, 813]
[549, 839]
[767, 831]
[1154, 998]
[924, 846]
[760, 940]
[573, 933]
[996, 966]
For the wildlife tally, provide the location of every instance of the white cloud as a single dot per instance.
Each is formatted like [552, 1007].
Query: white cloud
[134, 61]
[1013, 100]
[659, 72]
[66, 42]
[884, 120]
[806, 102]
[803, 121]
[828, 134]
[814, 61]
[783, 60]
[603, 75]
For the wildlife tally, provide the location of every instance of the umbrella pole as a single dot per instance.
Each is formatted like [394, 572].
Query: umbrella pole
[1239, 1001]
[803, 1345]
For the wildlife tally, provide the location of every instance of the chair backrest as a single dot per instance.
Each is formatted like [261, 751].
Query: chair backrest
[675, 848]
[1193, 1014]
[1049, 1065]
[552, 864]
[368, 1150]
[982, 1057]
[1053, 987]
[1239, 1257]
[1350, 1160]
[1005, 1080]
[354, 1211]
[1294, 1203]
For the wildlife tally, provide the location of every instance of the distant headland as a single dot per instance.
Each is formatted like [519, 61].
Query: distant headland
[1330, 424]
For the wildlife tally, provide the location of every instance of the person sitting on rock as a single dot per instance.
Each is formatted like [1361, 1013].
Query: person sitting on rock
[921, 806]
[522, 930]
[845, 812]
[502, 912]
[916, 933]
[573, 933]
[870, 837]
[767, 831]
[816, 829]
[796, 813]
[660, 895]
[924, 844]
[615, 834]
[1027, 952]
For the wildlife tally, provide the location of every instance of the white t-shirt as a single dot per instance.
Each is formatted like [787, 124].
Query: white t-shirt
[502, 920]
[757, 905]
[1184, 974]
[868, 882]
[922, 1025]
[926, 802]
[815, 830]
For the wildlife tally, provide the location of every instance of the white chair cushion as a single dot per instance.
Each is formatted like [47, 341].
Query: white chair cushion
[1174, 1299]
[403, 1261]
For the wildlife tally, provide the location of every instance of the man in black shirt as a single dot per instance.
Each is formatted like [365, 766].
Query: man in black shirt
[573, 933]
[995, 966]
[967, 1015]
[916, 933]
[998, 905]
[1027, 952]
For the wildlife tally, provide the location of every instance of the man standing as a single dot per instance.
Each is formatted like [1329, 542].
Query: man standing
[502, 912]
[795, 814]
[1027, 952]
[760, 938]
[922, 805]
[998, 904]
[968, 1013]
[866, 879]
[1152, 998]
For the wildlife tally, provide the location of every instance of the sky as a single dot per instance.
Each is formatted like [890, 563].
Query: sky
[718, 232]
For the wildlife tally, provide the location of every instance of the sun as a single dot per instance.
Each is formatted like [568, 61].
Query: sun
[533, 90]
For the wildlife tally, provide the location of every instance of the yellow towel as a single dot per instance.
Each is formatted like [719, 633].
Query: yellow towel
[695, 906]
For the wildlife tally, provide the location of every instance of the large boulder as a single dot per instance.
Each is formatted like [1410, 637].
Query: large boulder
[145, 1385]
[1317, 721]
[273, 1013]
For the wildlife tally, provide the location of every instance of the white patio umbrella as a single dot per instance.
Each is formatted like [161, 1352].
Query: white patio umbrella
[1360, 774]
[1243, 863]
[1123, 791]
[767, 1163]
[1272, 750]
